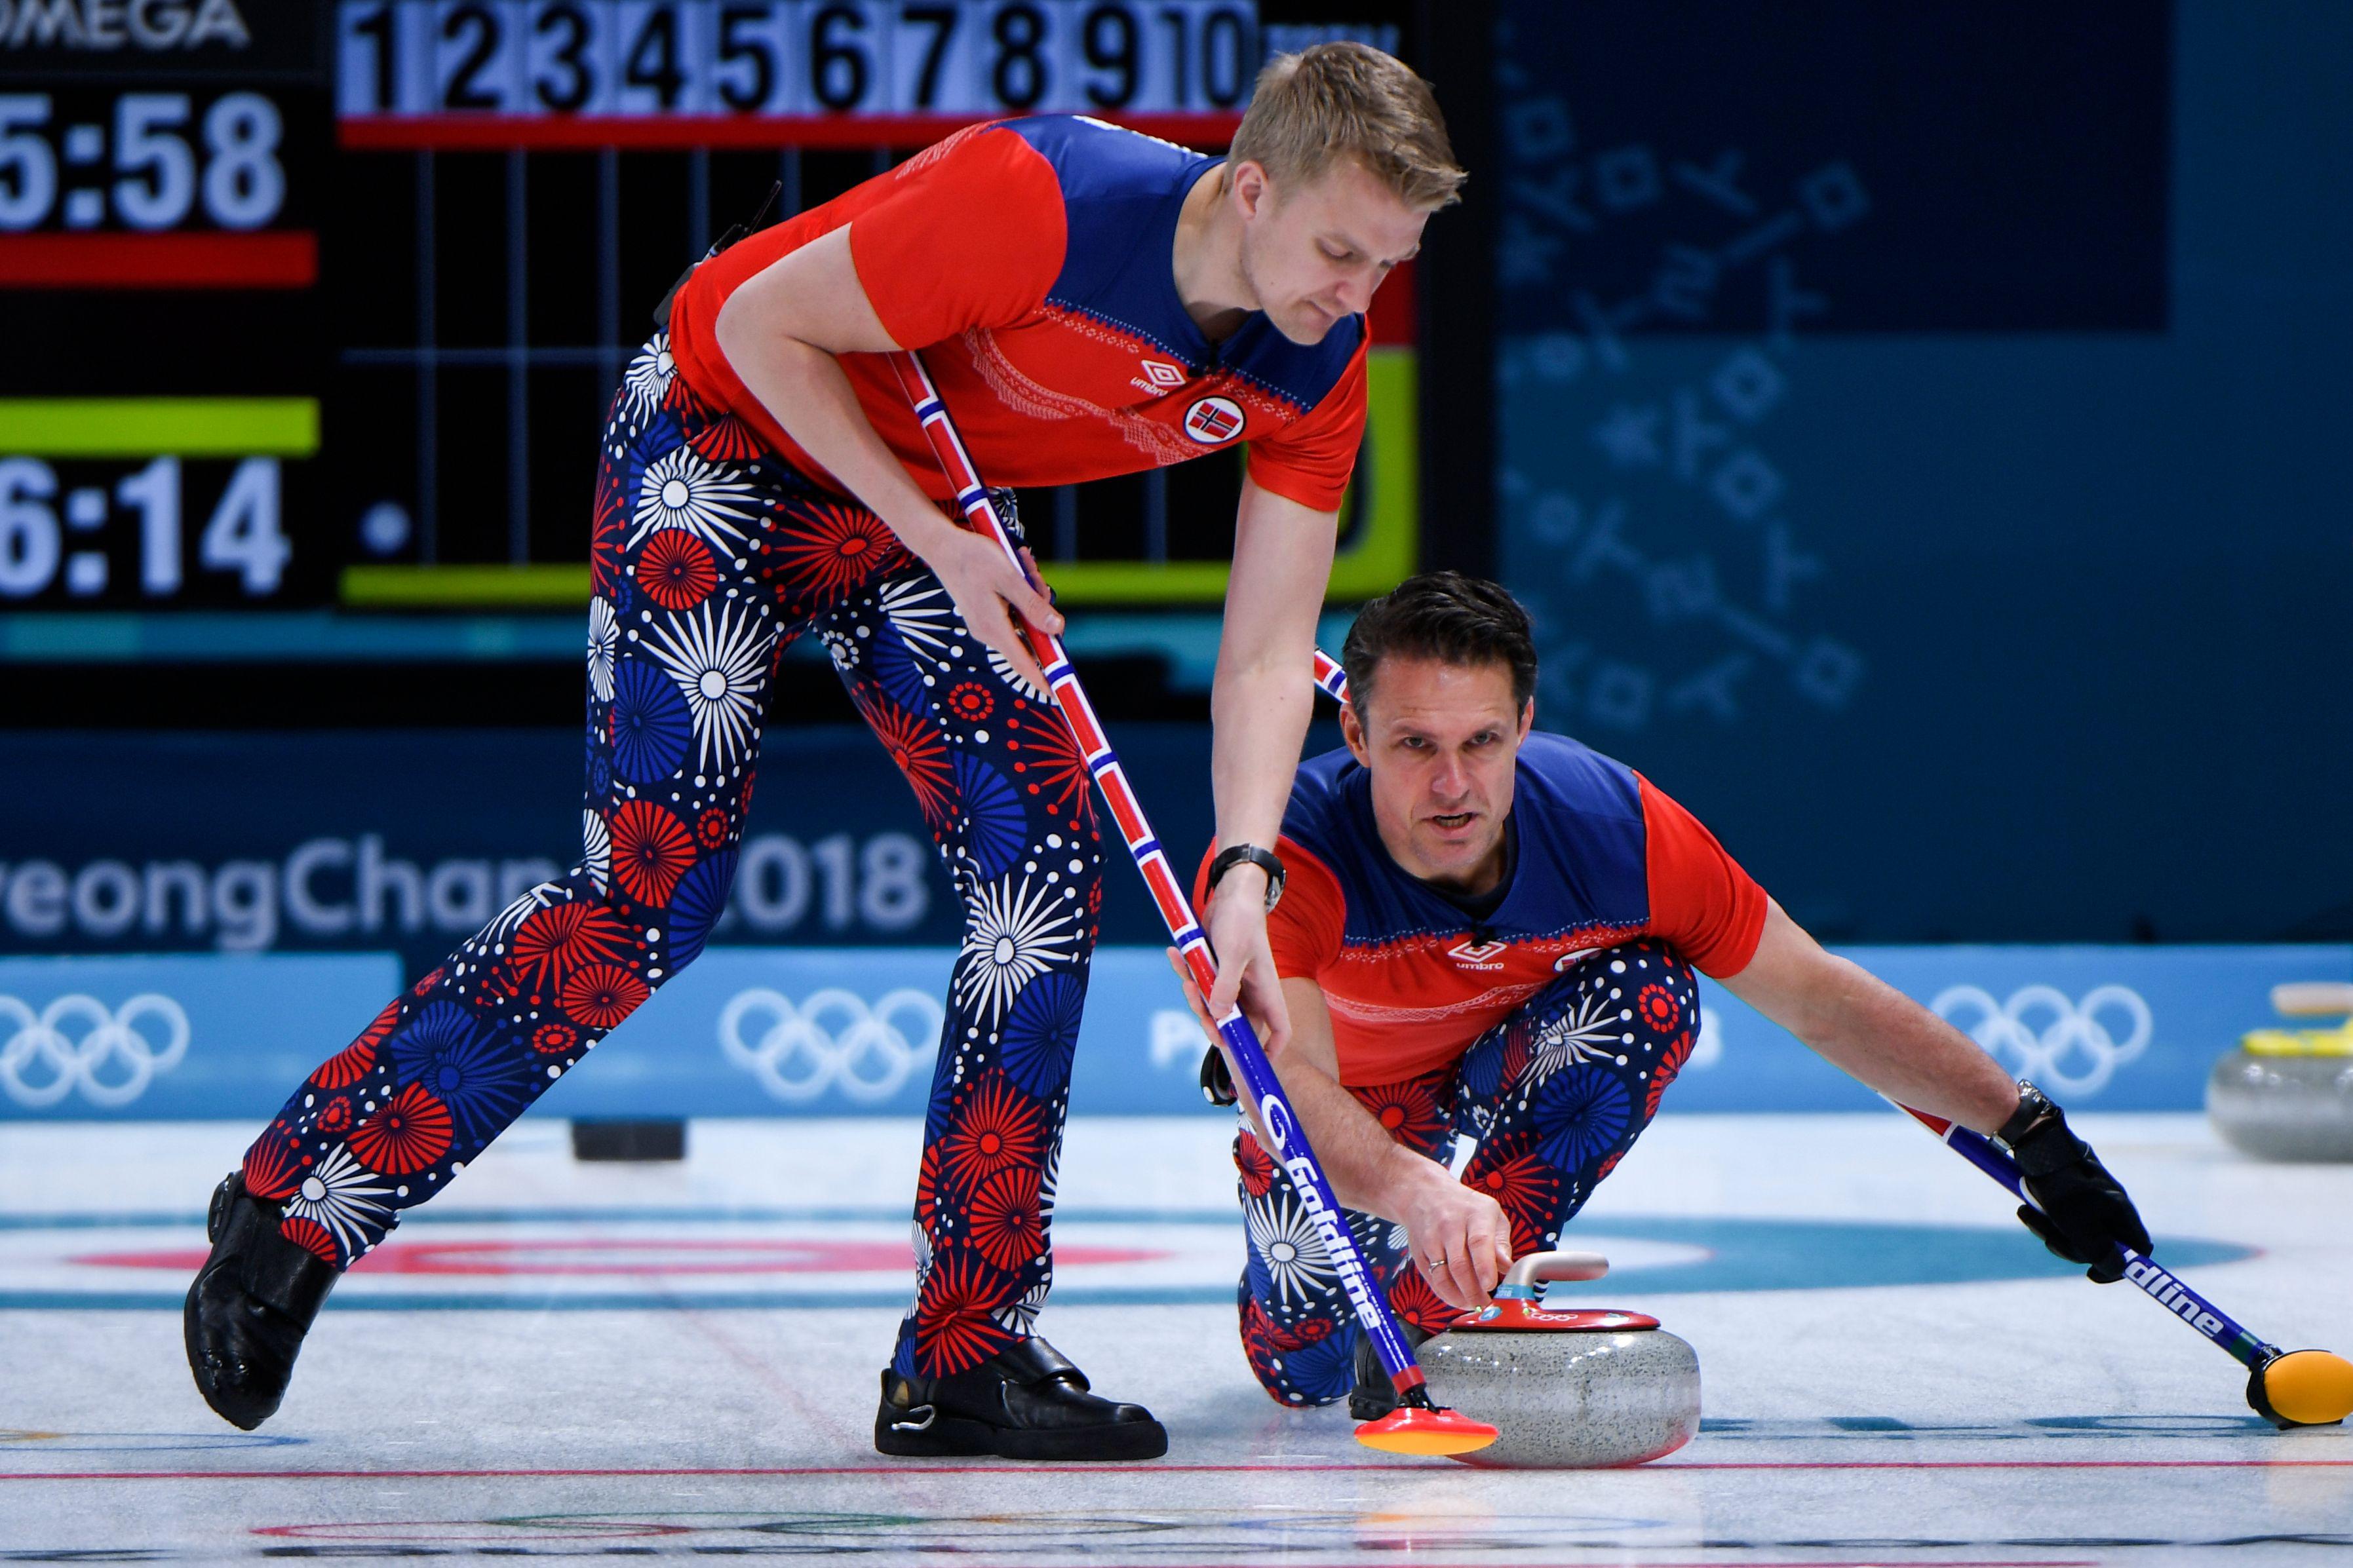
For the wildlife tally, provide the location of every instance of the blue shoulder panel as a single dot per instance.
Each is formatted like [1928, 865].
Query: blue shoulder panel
[1122, 194]
[1300, 374]
[1584, 849]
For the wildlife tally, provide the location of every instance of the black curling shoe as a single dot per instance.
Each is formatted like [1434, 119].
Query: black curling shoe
[1374, 1396]
[1026, 1402]
[251, 1304]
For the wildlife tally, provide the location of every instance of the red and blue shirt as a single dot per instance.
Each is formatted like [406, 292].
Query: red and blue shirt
[1031, 262]
[1603, 855]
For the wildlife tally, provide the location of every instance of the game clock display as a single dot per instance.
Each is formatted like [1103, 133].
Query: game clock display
[151, 531]
[164, 530]
[141, 161]
[160, 167]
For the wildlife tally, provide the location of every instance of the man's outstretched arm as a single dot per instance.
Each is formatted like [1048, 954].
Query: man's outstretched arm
[1876, 1034]
[1870, 1030]
[1369, 1170]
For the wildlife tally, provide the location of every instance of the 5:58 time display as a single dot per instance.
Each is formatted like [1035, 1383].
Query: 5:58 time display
[77, 159]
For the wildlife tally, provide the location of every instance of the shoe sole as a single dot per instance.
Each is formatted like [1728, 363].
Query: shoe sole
[950, 1437]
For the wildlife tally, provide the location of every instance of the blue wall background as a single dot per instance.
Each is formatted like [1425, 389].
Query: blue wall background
[1924, 444]
[142, 842]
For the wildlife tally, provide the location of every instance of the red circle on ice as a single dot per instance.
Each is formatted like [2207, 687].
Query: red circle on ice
[627, 1256]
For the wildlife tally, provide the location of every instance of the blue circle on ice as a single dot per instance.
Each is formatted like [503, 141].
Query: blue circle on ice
[1710, 1254]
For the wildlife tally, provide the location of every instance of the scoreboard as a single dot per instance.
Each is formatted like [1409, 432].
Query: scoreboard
[160, 396]
[318, 304]
[792, 58]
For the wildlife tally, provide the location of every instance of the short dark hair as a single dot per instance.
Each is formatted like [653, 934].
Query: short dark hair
[1444, 615]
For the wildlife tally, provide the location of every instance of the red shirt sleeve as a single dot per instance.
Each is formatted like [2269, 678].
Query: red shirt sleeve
[1304, 931]
[1309, 461]
[971, 234]
[1702, 903]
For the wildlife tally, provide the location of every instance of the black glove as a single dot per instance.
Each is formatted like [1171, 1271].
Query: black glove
[2083, 1215]
[1218, 1079]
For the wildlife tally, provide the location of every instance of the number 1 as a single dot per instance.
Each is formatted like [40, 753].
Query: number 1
[377, 25]
[154, 492]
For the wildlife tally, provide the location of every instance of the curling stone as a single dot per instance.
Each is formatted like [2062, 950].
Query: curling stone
[2288, 1094]
[1570, 1390]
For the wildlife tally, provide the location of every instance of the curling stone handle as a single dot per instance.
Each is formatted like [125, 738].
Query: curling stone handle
[2312, 999]
[1543, 1267]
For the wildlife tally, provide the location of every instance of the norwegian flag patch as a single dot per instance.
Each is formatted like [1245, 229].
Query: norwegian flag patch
[1213, 420]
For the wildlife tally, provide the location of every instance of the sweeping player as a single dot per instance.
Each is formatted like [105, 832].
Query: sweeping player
[1489, 929]
[1091, 303]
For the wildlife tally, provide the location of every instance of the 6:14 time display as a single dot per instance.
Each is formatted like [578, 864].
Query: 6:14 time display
[170, 530]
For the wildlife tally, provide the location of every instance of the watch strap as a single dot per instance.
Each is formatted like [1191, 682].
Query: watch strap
[2033, 1107]
[1264, 859]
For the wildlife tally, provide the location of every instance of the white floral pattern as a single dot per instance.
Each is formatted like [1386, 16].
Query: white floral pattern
[1050, 1181]
[681, 491]
[720, 661]
[597, 850]
[647, 380]
[604, 641]
[503, 924]
[1285, 1237]
[921, 1241]
[1588, 1031]
[922, 615]
[1020, 1316]
[1014, 677]
[1014, 930]
[344, 1197]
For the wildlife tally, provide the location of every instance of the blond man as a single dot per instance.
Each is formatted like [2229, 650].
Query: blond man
[1092, 302]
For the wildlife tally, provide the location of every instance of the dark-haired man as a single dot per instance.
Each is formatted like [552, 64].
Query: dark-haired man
[1488, 930]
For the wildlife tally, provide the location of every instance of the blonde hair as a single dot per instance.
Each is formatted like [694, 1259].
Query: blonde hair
[1350, 100]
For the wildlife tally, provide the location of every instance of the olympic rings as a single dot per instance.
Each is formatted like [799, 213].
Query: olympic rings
[110, 1042]
[797, 1058]
[2074, 1031]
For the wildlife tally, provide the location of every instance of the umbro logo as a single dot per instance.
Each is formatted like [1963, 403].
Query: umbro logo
[1476, 954]
[1163, 374]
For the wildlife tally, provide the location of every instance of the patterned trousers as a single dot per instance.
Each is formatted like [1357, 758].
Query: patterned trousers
[708, 556]
[1555, 1095]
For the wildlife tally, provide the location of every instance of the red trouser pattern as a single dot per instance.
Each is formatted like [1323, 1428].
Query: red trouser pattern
[708, 556]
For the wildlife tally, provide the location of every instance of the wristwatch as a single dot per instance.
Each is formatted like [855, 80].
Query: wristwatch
[2034, 1108]
[1264, 859]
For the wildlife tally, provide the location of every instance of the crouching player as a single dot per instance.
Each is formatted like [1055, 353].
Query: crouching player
[1484, 930]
